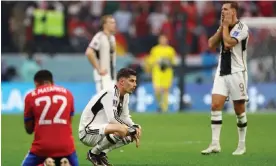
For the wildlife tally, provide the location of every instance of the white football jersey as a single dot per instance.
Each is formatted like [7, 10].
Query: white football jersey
[106, 107]
[104, 47]
[236, 60]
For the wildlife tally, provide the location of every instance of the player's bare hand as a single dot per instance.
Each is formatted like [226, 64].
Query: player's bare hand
[137, 141]
[102, 72]
[139, 132]
[227, 19]
[221, 19]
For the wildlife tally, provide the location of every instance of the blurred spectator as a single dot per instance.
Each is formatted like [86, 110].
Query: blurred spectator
[30, 66]
[203, 45]
[200, 5]
[47, 23]
[190, 9]
[74, 8]
[266, 8]
[209, 19]
[166, 7]
[110, 7]
[78, 33]
[123, 18]
[140, 40]
[17, 26]
[60, 26]
[96, 8]
[139, 22]
[156, 20]
[8, 73]
[168, 30]
[186, 24]
[6, 36]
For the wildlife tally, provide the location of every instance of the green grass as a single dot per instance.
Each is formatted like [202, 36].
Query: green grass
[167, 140]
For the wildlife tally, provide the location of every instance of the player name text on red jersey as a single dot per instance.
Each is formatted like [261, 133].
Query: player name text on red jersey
[48, 89]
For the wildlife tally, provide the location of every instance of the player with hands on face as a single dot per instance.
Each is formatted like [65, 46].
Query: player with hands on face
[231, 76]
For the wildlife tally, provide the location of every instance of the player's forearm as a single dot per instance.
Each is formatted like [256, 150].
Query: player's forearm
[121, 121]
[114, 119]
[111, 119]
[227, 39]
[215, 39]
[128, 120]
[92, 58]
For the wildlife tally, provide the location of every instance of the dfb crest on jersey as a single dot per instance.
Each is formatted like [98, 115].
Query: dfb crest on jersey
[235, 33]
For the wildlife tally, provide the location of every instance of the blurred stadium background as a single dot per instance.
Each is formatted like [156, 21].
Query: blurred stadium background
[188, 25]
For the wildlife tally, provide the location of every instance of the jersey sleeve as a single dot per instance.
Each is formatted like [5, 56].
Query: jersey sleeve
[110, 102]
[240, 32]
[28, 112]
[95, 42]
[125, 116]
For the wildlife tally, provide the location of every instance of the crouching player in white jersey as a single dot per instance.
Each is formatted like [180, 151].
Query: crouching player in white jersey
[231, 76]
[105, 122]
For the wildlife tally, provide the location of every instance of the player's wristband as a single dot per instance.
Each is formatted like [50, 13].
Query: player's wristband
[136, 126]
[132, 131]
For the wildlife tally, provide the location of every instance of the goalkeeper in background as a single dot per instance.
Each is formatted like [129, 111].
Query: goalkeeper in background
[162, 58]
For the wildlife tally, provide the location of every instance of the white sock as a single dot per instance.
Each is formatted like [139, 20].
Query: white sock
[122, 142]
[242, 127]
[216, 123]
[107, 141]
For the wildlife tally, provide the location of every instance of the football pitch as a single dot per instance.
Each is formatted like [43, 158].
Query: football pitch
[167, 140]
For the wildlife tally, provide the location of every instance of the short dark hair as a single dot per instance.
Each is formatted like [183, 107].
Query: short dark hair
[126, 73]
[42, 76]
[233, 4]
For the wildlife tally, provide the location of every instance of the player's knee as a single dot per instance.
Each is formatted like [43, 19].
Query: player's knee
[239, 106]
[216, 106]
[157, 90]
[165, 89]
[239, 103]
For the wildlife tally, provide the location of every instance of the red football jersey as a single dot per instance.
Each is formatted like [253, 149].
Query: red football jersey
[51, 108]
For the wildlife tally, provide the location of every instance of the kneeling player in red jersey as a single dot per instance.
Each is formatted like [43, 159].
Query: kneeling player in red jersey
[48, 112]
